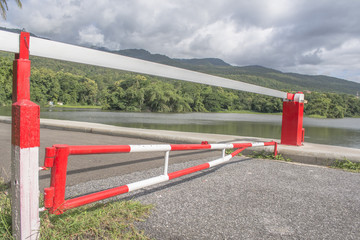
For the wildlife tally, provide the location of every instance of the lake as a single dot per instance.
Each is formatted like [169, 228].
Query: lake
[339, 132]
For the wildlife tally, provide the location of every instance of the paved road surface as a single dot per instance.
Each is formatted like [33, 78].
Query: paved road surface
[247, 199]
[90, 167]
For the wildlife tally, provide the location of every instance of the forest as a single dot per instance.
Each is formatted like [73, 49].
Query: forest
[117, 90]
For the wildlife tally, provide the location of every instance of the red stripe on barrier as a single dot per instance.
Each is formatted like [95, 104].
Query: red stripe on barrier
[89, 149]
[290, 96]
[233, 154]
[188, 171]
[79, 201]
[58, 176]
[239, 145]
[269, 143]
[179, 147]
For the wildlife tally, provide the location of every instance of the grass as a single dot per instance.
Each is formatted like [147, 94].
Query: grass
[315, 116]
[347, 165]
[229, 151]
[76, 106]
[249, 112]
[114, 220]
[5, 211]
[269, 155]
[262, 155]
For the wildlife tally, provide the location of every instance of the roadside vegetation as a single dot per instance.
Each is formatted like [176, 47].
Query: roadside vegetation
[347, 165]
[5, 211]
[262, 155]
[269, 155]
[80, 85]
[76, 106]
[114, 220]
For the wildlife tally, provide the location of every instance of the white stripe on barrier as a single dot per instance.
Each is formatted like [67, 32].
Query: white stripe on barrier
[222, 146]
[166, 163]
[257, 144]
[9, 42]
[149, 148]
[66, 52]
[220, 160]
[148, 182]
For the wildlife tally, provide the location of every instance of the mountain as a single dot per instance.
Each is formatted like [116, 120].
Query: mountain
[257, 75]
[204, 62]
[163, 59]
[15, 30]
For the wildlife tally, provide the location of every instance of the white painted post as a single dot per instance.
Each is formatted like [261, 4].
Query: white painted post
[25, 142]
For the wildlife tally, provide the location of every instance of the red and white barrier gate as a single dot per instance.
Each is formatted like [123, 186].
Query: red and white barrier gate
[26, 121]
[56, 158]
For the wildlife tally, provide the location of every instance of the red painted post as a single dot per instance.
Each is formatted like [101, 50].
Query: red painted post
[292, 120]
[58, 177]
[25, 141]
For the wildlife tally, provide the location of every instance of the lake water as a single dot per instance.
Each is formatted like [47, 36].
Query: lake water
[339, 132]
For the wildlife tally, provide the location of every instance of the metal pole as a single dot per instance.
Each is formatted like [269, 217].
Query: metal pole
[166, 162]
[58, 177]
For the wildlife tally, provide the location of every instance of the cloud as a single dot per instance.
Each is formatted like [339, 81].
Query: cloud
[310, 37]
[91, 35]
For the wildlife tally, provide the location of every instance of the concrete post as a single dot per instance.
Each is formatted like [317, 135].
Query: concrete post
[25, 142]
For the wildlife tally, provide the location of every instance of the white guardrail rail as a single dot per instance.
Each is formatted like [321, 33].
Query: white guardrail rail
[9, 42]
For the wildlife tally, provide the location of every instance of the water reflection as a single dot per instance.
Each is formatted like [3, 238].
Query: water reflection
[340, 132]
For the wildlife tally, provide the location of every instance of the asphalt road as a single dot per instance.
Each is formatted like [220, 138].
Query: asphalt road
[83, 168]
[247, 199]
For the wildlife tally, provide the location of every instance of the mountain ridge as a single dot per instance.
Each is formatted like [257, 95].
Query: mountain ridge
[216, 66]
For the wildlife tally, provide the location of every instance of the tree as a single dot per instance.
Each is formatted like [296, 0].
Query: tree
[5, 82]
[4, 7]
[44, 86]
[87, 92]
[318, 104]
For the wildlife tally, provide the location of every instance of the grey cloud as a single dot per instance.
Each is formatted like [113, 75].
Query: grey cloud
[311, 58]
[279, 34]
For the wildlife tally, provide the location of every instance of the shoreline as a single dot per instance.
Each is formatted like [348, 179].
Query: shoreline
[309, 153]
[236, 111]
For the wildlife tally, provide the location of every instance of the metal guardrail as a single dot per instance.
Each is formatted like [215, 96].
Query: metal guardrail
[56, 158]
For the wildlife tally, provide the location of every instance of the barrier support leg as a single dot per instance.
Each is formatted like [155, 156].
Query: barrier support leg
[275, 149]
[292, 120]
[166, 164]
[25, 142]
[58, 178]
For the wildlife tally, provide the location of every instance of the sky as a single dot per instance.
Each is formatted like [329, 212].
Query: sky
[315, 37]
